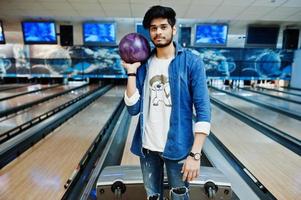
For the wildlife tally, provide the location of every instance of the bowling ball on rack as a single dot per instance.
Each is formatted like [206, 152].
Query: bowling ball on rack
[134, 47]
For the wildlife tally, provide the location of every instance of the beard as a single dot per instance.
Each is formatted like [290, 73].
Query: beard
[168, 41]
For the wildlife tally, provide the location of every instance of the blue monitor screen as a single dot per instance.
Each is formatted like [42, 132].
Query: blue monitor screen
[39, 32]
[211, 34]
[2, 40]
[99, 33]
[140, 29]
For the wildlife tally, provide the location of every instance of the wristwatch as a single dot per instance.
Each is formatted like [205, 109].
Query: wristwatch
[131, 74]
[196, 156]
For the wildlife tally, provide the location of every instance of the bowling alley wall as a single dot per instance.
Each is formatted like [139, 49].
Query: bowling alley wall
[82, 61]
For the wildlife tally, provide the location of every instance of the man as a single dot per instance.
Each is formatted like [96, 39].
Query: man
[163, 91]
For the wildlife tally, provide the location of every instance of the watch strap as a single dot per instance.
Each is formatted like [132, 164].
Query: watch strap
[131, 74]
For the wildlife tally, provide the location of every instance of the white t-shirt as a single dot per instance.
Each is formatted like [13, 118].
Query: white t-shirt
[159, 108]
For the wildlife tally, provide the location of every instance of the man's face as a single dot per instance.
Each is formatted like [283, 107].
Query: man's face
[161, 32]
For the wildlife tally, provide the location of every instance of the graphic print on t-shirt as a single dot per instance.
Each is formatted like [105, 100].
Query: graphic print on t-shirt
[160, 90]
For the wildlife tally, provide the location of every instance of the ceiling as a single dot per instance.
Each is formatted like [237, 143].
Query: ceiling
[235, 12]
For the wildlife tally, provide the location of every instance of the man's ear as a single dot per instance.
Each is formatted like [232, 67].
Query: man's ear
[174, 30]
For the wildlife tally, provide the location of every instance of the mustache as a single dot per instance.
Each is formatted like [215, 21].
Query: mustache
[159, 37]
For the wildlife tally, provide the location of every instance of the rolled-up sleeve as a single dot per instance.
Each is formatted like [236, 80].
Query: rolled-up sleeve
[202, 127]
[130, 101]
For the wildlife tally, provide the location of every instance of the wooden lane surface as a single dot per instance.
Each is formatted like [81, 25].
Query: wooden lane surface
[278, 103]
[286, 90]
[279, 94]
[4, 87]
[277, 168]
[16, 91]
[128, 157]
[42, 171]
[292, 90]
[277, 120]
[39, 109]
[24, 99]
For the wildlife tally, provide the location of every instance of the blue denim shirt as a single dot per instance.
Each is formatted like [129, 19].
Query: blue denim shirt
[188, 87]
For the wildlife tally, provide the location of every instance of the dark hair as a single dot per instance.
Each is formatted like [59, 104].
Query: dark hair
[159, 12]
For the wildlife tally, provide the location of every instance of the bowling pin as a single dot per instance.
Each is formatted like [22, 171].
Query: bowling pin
[241, 83]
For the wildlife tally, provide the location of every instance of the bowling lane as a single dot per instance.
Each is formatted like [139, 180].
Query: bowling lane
[21, 90]
[128, 158]
[4, 87]
[276, 167]
[277, 103]
[278, 94]
[292, 91]
[37, 110]
[277, 120]
[25, 99]
[42, 171]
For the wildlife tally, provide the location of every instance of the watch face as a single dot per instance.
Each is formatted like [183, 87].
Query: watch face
[197, 156]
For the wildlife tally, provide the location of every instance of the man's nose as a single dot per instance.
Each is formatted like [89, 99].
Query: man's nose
[159, 31]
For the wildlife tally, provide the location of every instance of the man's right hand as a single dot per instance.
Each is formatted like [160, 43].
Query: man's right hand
[131, 68]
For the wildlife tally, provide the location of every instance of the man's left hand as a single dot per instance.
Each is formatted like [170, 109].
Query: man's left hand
[191, 169]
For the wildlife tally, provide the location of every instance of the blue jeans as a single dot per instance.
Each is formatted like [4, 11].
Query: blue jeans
[153, 176]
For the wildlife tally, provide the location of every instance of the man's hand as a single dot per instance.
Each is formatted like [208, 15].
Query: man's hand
[191, 169]
[131, 68]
